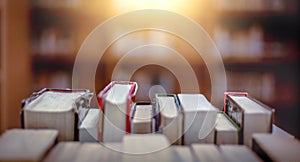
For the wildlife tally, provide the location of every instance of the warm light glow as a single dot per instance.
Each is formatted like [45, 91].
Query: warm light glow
[145, 4]
[171, 5]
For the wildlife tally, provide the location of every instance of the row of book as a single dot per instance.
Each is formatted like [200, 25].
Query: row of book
[183, 118]
[40, 145]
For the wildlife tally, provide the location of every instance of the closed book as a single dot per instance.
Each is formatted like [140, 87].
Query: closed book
[147, 148]
[61, 109]
[115, 101]
[276, 147]
[170, 117]
[26, 145]
[226, 131]
[251, 115]
[184, 153]
[88, 129]
[142, 121]
[207, 152]
[199, 119]
[81, 152]
[239, 153]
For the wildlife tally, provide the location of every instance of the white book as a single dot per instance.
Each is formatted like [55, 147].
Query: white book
[184, 153]
[276, 147]
[279, 131]
[81, 152]
[26, 145]
[238, 153]
[61, 109]
[115, 113]
[207, 152]
[226, 132]
[147, 148]
[88, 129]
[142, 119]
[170, 117]
[199, 118]
[251, 115]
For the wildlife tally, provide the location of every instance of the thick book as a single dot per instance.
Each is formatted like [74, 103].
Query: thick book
[226, 131]
[207, 152]
[81, 152]
[61, 109]
[184, 153]
[249, 114]
[115, 101]
[199, 119]
[142, 121]
[276, 147]
[147, 148]
[26, 145]
[170, 117]
[88, 129]
[238, 153]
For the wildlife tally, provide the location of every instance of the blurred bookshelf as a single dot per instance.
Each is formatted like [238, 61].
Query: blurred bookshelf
[257, 41]
[261, 52]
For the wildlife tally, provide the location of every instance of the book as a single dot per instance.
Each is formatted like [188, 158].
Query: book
[238, 153]
[249, 114]
[142, 121]
[88, 129]
[199, 118]
[115, 101]
[277, 130]
[170, 117]
[147, 147]
[61, 109]
[226, 131]
[276, 147]
[79, 152]
[184, 153]
[26, 145]
[207, 152]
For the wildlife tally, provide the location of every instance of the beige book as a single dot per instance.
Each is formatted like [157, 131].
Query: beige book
[142, 121]
[88, 129]
[81, 152]
[199, 118]
[251, 115]
[207, 152]
[276, 147]
[184, 153]
[26, 145]
[238, 153]
[226, 131]
[61, 109]
[147, 148]
[170, 117]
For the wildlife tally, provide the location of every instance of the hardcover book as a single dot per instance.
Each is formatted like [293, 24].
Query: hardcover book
[61, 109]
[115, 101]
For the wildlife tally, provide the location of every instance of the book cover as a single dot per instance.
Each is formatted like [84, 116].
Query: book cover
[61, 109]
[170, 117]
[26, 144]
[249, 114]
[199, 119]
[142, 118]
[115, 101]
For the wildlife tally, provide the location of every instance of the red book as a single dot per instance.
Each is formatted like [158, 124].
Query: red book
[115, 101]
